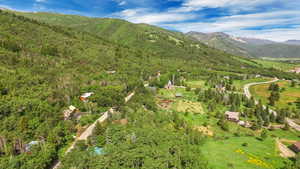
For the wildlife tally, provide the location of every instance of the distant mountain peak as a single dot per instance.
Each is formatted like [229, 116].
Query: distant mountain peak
[292, 42]
[245, 46]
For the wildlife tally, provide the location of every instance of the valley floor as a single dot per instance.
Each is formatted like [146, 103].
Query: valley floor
[238, 147]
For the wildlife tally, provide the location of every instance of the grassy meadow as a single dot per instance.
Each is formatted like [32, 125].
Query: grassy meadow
[289, 95]
[237, 148]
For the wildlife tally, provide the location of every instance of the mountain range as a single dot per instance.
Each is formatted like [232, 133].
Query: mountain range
[249, 47]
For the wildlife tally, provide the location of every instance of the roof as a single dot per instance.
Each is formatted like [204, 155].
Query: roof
[72, 108]
[86, 95]
[297, 144]
[232, 115]
[178, 95]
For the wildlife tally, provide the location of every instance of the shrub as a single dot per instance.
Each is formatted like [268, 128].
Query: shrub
[188, 89]
[245, 144]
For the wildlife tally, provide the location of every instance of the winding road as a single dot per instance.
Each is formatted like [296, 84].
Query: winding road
[247, 87]
[89, 131]
[290, 122]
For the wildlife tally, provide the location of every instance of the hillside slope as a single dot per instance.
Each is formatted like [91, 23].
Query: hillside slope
[45, 67]
[147, 38]
[247, 46]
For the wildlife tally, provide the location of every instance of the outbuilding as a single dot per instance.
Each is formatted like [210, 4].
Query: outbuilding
[232, 116]
[296, 147]
[85, 96]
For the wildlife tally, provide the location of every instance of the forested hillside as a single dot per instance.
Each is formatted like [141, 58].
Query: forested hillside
[157, 41]
[45, 67]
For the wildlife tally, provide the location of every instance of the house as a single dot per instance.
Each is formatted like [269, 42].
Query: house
[220, 88]
[232, 116]
[226, 77]
[178, 95]
[30, 144]
[296, 147]
[296, 70]
[111, 72]
[244, 124]
[169, 85]
[68, 112]
[85, 96]
[158, 75]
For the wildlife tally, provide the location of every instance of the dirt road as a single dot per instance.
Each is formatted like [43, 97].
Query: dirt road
[248, 94]
[290, 122]
[89, 131]
[247, 86]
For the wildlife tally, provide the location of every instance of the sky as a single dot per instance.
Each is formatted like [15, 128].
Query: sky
[277, 20]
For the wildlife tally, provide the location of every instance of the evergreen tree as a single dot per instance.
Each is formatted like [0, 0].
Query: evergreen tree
[264, 134]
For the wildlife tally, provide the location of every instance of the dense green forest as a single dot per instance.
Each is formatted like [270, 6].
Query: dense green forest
[45, 67]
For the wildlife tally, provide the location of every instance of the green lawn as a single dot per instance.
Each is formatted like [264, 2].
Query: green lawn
[229, 153]
[170, 94]
[241, 83]
[282, 134]
[224, 150]
[196, 83]
[290, 94]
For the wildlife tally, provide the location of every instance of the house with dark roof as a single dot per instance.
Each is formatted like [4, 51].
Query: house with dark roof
[232, 116]
[296, 147]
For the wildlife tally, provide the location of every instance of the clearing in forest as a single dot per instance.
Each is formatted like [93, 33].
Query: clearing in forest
[288, 95]
[188, 106]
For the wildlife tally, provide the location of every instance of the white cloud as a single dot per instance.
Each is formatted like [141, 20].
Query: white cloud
[279, 35]
[143, 15]
[195, 5]
[237, 24]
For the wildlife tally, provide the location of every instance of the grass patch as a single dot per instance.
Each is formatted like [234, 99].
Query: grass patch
[196, 84]
[188, 106]
[241, 83]
[230, 153]
[290, 94]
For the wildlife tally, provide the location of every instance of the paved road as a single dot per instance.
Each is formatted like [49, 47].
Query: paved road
[247, 86]
[89, 131]
[290, 122]
[248, 94]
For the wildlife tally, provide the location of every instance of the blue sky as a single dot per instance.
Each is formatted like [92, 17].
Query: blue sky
[277, 20]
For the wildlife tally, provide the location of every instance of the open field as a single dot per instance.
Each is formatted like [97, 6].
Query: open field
[239, 84]
[230, 153]
[188, 106]
[238, 147]
[195, 84]
[171, 94]
[288, 96]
